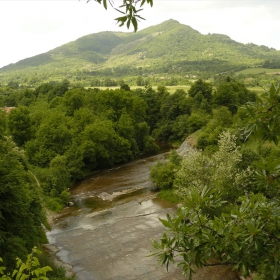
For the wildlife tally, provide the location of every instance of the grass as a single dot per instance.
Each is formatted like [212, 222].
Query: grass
[257, 90]
[171, 89]
[169, 196]
[259, 71]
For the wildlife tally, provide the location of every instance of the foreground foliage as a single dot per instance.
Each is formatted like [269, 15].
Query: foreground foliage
[246, 237]
[30, 269]
[230, 213]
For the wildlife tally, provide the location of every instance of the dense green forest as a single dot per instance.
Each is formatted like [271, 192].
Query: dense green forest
[59, 133]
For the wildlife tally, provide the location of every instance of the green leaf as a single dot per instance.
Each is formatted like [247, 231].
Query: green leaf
[142, 3]
[258, 246]
[165, 223]
[128, 24]
[245, 269]
[121, 20]
[277, 234]
[151, 2]
[135, 24]
[120, 11]
[139, 17]
[276, 270]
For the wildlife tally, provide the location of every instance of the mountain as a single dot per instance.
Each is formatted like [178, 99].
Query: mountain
[168, 47]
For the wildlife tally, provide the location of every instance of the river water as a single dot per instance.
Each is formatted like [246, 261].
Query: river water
[107, 234]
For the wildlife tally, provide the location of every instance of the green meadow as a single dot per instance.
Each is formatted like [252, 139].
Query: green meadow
[255, 71]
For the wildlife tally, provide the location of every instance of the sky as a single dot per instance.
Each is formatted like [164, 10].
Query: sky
[28, 28]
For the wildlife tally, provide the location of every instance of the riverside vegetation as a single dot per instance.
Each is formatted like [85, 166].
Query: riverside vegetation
[229, 193]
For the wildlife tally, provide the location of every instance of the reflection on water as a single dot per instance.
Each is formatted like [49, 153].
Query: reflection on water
[118, 178]
[134, 175]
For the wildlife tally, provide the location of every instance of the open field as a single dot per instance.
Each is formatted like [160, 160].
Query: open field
[256, 89]
[259, 71]
[171, 89]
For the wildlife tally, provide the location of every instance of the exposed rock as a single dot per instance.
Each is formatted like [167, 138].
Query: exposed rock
[110, 197]
[99, 213]
[184, 148]
[58, 262]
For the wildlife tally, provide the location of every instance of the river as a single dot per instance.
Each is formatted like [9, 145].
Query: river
[107, 234]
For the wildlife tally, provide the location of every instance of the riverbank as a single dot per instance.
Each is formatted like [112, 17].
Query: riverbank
[52, 250]
[111, 239]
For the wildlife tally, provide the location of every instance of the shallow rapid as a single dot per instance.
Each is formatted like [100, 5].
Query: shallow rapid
[107, 233]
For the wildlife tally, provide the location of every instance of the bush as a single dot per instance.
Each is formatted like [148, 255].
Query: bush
[170, 196]
[54, 204]
[162, 174]
[195, 122]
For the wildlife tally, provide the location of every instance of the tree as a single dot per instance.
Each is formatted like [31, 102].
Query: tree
[128, 10]
[103, 146]
[19, 125]
[218, 171]
[21, 214]
[125, 87]
[140, 81]
[222, 116]
[163, 173]
[205, 89]
[73, 100]
[52, 137]
[232, 94]
[195, 122]
[3, 123]
[59, 175]
[263, 116]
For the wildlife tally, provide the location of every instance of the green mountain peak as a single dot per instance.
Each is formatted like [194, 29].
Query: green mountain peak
[167, 47]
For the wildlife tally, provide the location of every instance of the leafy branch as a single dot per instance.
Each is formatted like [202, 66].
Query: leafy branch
[244, 238]
[129, 11]
[264, 116]
[29, 270]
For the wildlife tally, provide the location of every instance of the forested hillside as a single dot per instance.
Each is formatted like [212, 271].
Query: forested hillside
[170, 47]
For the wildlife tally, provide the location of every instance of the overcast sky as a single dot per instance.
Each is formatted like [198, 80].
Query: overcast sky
[28, 28]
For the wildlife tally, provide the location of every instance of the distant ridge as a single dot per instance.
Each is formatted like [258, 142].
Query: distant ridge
[166, 47]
